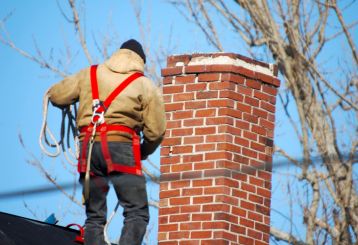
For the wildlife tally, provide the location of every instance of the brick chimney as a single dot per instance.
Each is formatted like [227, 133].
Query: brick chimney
[216, 158]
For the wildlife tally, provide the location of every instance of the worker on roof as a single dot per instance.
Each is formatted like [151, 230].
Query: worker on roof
[114, 123]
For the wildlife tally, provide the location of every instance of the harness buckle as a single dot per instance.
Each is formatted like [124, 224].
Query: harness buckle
[98, 109]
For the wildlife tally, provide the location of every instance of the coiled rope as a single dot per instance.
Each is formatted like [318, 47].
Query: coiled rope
[68, 131]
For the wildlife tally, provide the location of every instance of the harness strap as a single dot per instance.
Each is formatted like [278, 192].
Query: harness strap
[107, 102]
[102, 130]
[94, 83]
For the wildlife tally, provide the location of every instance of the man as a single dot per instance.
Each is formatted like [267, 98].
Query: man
[115, 127]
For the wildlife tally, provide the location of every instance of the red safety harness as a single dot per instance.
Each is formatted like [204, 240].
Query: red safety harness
[98, 125]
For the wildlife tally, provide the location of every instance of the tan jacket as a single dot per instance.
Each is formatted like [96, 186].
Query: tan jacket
[139, 105]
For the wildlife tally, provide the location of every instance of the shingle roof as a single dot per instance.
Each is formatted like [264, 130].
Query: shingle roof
[16, 230]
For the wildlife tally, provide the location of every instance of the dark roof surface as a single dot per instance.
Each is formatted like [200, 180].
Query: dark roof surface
[16, 230]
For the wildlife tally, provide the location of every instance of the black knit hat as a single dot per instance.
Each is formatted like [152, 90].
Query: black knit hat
[135, 46]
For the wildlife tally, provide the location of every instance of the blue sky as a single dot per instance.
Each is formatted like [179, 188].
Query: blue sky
[23, 84]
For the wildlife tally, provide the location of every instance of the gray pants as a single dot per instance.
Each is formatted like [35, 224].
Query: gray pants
[131, 193]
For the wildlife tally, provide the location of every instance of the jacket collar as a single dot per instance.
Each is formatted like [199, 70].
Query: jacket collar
[125, 61]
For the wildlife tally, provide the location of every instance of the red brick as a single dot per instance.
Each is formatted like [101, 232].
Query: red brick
[179, 201]
[243, 107]
[256, 181]
[253, 84]
[266, 124]
[192, 158]
[219, 138]
[258, 129]
[202, 199]
[179, 184]
[203, 182]
[217, 190]
[163, 220]
[168, 227]
[229, 129]
[167, 80]
[255, 235]
[170, 193]
[190, 226]
[227, 200]
[251, 101]
[185, 79]
[246, 222]
[265, 97]
[207, 95]
[182, 149]
[205, 130]
[192, 192]
[205, 147]
[226, 235]
[173, 124]
[208, 77]
[255, 216]
[257, 147]
[267, 106]
[250, 118]
[219, 121]
[256, 199]
[168, 243]
[245, 90]
[172, 71]
[195, 104]
[218, 155]
[182, 132]
[179, 235]
[230, 112]
[181, 167]
[189, 242]
[173, 89]
[233, 78]
[171, 141]
[205, 113]
[269, 89]
[250, 136]
[192, 175]
[195, 87]
[174, 107]
[221, 103]
[195, 68]
[239, 212]
[231, 95]
[246, 240]
[169, 160]
[262, 227]
[167, 98]
[179, 218]
[193, 139]
[200, 234]
[193, 122]
[260, 113]
[183, 96]
[216, 225]
[222, 86]
[239, 194]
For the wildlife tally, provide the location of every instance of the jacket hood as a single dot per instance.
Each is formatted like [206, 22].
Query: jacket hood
[125, 61]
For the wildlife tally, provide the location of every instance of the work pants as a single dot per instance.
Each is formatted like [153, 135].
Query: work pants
[131, 193]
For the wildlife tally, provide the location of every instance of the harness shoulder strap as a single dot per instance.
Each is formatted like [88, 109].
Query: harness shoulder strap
[115, 92]
[94, 84]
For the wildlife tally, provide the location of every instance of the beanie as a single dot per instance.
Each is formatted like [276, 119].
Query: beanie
[135, 46]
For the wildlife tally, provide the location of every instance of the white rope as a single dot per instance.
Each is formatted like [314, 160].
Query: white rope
[45, 129]
[70, 154]
[105, 229]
